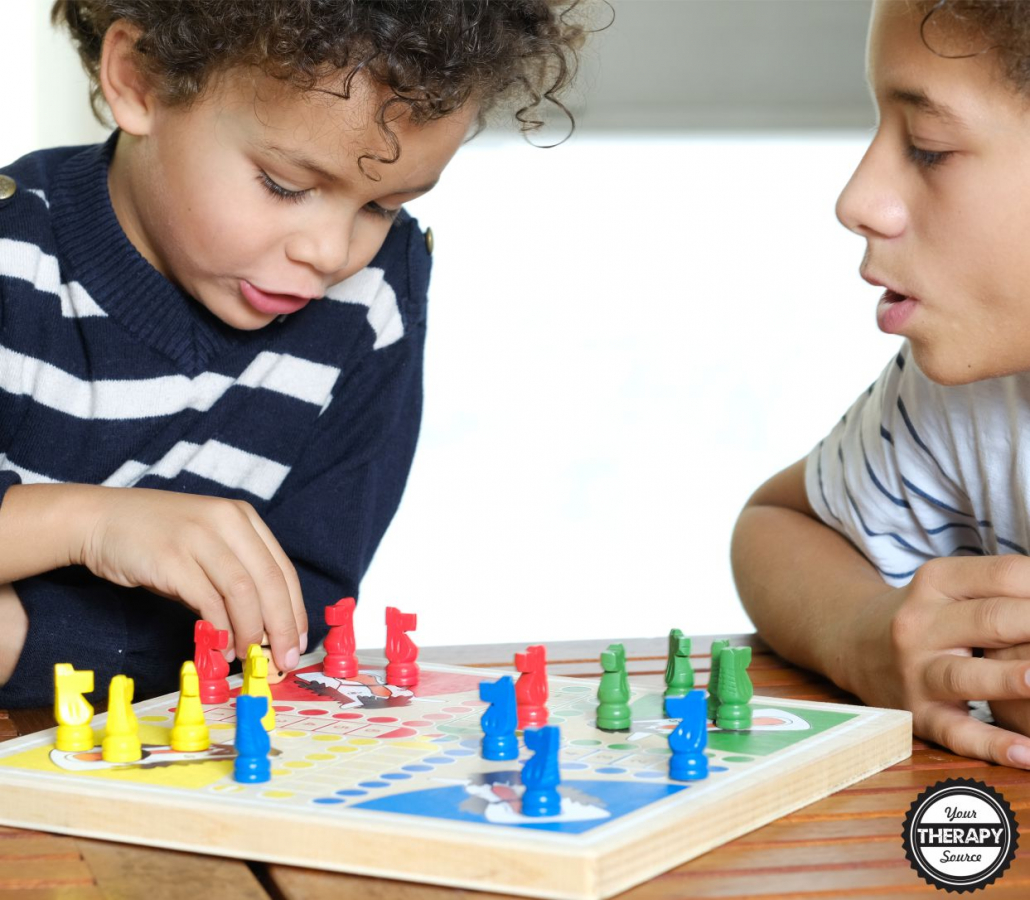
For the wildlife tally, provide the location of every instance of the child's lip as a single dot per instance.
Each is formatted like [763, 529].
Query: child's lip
[891, 291]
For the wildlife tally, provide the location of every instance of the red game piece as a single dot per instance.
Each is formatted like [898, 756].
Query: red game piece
[531, 688]
[340, 661]
[401, 652]
[212, 668]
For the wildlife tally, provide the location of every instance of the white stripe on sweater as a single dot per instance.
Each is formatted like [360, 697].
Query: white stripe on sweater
[167, 395]
[19, 259]
[370, 288]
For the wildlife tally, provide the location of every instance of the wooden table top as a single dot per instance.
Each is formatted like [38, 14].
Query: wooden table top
[848, 844]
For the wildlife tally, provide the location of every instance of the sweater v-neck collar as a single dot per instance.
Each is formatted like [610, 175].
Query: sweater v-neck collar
[97, 253]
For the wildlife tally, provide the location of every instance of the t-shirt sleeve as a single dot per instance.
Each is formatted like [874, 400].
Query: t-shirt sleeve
[886, 477]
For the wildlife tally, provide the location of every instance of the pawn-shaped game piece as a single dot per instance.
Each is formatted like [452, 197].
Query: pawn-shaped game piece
[688, 739]
[72, 711]
[540, 774]
[212, 669]
[401, 652]
[531, 688]
[121, 738]
[189, 730]
[613, 692]
[735, 689]
[500, 719]
[679, 674]
[255, 683]
[713, 678]
[340, 661]
[252, 765]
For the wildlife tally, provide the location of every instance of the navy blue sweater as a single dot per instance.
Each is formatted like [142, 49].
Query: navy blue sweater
[110, 374]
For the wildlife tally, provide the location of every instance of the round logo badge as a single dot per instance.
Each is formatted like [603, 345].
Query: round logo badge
[960, 835]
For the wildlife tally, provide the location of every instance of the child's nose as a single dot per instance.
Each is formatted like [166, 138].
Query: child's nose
[324, 247]
[869, 205]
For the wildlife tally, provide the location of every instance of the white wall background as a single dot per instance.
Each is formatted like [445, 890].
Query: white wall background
[628, 333]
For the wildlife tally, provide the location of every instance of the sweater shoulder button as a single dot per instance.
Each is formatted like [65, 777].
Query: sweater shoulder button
[8, 187]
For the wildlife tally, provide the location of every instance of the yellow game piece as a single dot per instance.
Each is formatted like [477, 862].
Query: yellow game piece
[255, 682]
[73, 711]
[121, 739]
[189, 731]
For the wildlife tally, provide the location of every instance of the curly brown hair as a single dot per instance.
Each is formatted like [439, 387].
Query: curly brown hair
[959, 29]
[433, 56]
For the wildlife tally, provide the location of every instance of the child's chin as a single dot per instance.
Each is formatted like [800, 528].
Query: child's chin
[950, 367]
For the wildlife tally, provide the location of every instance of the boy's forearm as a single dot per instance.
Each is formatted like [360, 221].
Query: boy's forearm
[809, 592]
[41, 528]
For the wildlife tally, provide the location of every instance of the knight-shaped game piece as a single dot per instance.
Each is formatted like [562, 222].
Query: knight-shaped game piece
[531, 688]
[189, 730]
[212, 669]
[252, 765]
[735, 690]
[340, 661]
[401, 652]
[500, 719]
[540, 774]
[72, 711]
[688, 739]
[713, 678]
[121, 738]
[679, 674]
[255, 683]
[613, 692]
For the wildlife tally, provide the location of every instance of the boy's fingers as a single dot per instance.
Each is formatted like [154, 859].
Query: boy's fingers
[970, 577]
[198, 593]
[952, 727]
[987, 622]
[238, 592]
[950, 677]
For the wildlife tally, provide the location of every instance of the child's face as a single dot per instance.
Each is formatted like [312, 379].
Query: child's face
[942, 198]
[200, 193]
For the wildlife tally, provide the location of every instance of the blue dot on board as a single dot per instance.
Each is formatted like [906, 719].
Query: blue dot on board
[351, 792]
[328, 801]
[648, 773]
[574, 765]
[396, 776]
[717, 769]
[610, 770]
[457, 751]
[439, 760]
[416, 767]
[373, 784]
[471, 742]
[444, 739]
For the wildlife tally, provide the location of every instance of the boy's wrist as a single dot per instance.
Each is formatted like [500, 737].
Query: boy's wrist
[52, 520]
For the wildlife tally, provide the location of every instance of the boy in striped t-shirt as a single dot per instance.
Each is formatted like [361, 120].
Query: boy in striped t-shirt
[211, 326]
[894, 558]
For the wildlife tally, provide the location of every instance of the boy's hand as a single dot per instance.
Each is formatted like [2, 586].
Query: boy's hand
[915, 652]
[214, 555]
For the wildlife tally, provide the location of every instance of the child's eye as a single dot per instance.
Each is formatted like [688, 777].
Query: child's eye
[926, 159]
[278, 191]
[381, 211]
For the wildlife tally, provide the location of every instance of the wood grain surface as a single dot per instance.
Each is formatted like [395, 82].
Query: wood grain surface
[848, 845]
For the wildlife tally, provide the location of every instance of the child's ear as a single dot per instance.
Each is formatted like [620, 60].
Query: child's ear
[125, 87]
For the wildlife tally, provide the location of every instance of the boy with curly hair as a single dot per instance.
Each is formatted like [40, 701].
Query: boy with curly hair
[212, 325]
[894, 557]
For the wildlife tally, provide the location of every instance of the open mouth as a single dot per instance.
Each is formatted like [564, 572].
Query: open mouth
[890, 296]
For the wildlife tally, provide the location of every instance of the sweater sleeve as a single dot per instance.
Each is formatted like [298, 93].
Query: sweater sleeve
[886, 476]
[8, 477]
[333, 509]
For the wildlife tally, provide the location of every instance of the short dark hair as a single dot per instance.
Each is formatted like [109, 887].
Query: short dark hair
[1000, 28]
[434, 56]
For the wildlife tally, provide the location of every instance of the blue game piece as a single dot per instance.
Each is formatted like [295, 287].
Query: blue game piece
[540, 772]
[252, 745]
[500, 719]
[689, 738]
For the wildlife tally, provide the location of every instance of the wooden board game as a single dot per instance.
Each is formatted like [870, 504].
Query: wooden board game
[373, 779]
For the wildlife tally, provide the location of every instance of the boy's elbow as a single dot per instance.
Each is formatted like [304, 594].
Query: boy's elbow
[786, 489]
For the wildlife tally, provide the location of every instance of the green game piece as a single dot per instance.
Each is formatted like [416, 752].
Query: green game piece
[613, 692]
[679, 674]
[713, 678]
[735, 689]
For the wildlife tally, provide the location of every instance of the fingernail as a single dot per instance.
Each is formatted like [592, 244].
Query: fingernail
[304, 645]
[1019, 755]
[292, 658]
[230, 655]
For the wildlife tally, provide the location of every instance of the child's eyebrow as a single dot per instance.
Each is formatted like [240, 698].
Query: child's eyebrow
[297, 158]
[922, 102]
